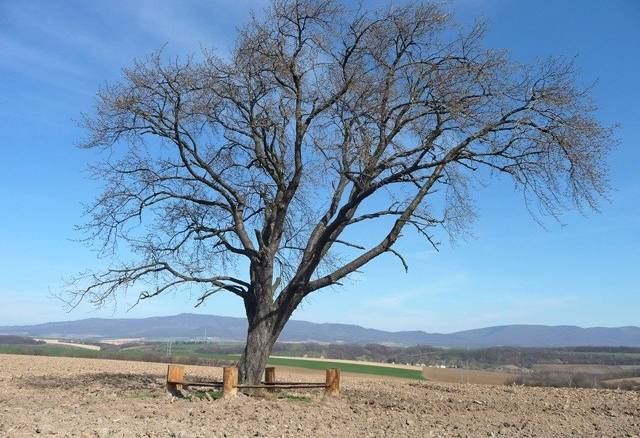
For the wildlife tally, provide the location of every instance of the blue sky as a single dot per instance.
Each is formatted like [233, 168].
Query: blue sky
[585, 271]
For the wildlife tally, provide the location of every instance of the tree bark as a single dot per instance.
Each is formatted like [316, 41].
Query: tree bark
[266, 321]
[260, 340]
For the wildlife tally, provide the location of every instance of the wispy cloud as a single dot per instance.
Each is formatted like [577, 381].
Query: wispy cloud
[23, 57]
[403, 298]
[188, 28]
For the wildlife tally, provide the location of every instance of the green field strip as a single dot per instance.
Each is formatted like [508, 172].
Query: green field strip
[378, 370]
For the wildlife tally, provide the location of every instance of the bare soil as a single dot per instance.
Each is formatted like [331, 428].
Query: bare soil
[460, 375]
[101, 398]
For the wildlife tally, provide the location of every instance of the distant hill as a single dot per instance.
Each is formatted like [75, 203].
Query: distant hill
[186, 326]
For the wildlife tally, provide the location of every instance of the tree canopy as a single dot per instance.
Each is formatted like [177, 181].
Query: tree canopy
[246, 173]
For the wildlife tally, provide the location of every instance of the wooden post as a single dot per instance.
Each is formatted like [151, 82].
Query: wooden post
[333, 382]
[229, 381]
[175, 378]
[270, 377]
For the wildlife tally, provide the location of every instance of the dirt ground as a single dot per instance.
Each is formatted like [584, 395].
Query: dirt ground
[99, 398]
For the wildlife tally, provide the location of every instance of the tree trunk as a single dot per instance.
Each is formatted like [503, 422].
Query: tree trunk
[266, 321]
[260, 340]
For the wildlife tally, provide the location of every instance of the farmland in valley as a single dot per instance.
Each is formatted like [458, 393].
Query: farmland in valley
[578, 366]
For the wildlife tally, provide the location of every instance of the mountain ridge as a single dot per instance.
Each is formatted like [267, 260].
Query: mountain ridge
[189, 325]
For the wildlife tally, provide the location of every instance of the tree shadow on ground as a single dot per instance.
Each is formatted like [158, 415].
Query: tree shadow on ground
[104, 381]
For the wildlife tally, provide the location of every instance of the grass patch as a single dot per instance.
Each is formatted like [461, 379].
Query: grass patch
[213, 394]
[49, 350]
[294, 397]
[144, 353]
[378, 370]
[185, 353]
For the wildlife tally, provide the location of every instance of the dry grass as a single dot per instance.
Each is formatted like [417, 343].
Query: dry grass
[460, 375]
[632, 383]
[582, 376]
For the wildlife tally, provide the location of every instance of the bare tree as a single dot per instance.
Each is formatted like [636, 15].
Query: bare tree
[247, 174]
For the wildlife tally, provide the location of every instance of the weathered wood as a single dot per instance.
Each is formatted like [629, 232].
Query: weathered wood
[270, 376]
[229, 384]
[333, 382]
[211, 384]
[230, 381]
[283, 386]
[219, 384]
[175, 379]
[175, 374]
